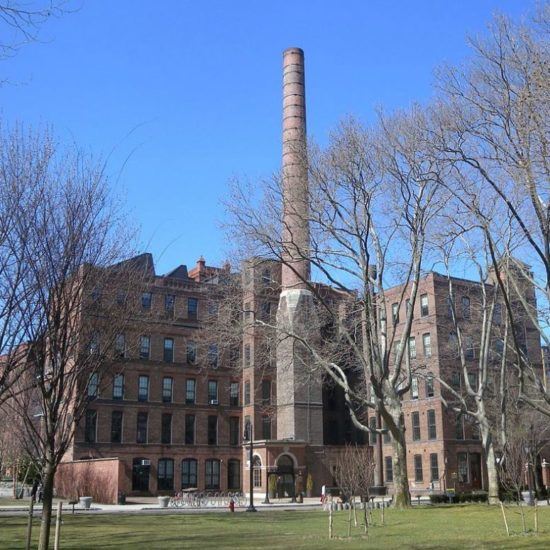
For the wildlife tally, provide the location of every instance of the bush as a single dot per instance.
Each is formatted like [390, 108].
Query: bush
[439, 498]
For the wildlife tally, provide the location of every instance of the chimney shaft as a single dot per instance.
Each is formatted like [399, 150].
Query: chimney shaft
[295, 235]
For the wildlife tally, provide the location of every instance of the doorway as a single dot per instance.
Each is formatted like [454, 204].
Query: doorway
[141, 469]
[475, 470]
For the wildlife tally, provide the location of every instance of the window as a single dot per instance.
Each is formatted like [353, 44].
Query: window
[233, 474]
[166, 429]
[213, 308]
[189, 429]
[141, 432]
[116, 427]
[414, 387]
[412, 347]
[212, 430]
[387, 434]
[169, 303]
[265, 311]
[143, 388]
[424, 308]
[459, 427]
[191, 352]
[188, 473]
[453, 344]
[455, 381]
[395, 313]
[168, 350]
[165, 476]
[389, 469]
[118, 386]
[213, 356]
[121, 298]
[465, 307]
[462, 460]
[93, 385]
[409, 308]
[449, 306]
[146, 299]
[372, 425]
[247, 355]
[266, 392]
[472, 379]
[212, 474]
[427, 344]
[120, 346]
[499, 346]
[90, 427]
[234, 394]
[434, 467]
[247, 392]
[266, 276]
[213, 392]
[234, 422]
[418, 474]
[94, 343]
[96, 294]
[192, 308]
[469, 348]
[167, 385]
[432, 429]
[257, 473]
[475, 430]
[497, 314]
[266, 427]
[247, 428]
[430, 386]
[144, 347]
[190, 391]
[415, 416]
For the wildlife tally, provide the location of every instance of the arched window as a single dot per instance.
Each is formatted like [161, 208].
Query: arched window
[165, 474]
[188, 473]
[233, 474]
[257, 479]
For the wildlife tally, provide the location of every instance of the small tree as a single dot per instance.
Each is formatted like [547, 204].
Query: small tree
[354, 473]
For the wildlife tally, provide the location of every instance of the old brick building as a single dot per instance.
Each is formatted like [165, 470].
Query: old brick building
[176, 411]
[443, 448]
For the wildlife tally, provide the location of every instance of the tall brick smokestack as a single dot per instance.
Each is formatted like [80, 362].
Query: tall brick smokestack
[299, 396]
[295, 269]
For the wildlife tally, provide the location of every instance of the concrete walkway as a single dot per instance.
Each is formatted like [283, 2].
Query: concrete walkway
[149, 505]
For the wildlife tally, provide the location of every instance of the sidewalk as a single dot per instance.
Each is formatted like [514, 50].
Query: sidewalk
[150, 505]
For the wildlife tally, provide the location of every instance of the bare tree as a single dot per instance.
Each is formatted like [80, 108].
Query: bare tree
[494, 116]
[372, 195]
[69, 240]
[20, 21]
[354, 473]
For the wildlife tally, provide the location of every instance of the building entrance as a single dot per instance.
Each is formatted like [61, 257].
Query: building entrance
[141, 469]
[285, 477]
[475, 470]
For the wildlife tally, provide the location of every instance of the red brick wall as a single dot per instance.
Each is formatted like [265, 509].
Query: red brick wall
[94, 478]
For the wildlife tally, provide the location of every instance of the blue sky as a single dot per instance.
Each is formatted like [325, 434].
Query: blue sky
[184, 95]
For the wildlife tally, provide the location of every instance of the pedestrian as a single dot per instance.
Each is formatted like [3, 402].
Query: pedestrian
[34, 489]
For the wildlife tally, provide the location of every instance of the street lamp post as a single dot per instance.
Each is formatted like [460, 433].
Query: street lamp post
[251, 507]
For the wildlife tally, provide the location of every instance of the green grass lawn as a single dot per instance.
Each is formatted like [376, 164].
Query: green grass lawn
[469, 526]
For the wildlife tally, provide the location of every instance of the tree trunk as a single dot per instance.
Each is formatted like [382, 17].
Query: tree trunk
[402, 495]
[492, 474]
[15, 474]
[47, 480]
